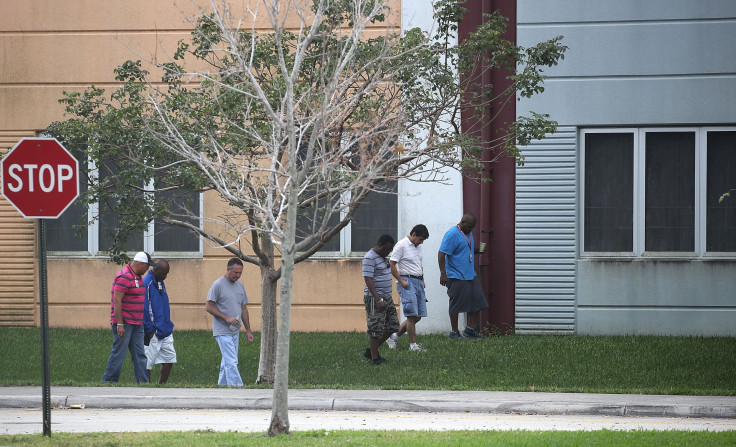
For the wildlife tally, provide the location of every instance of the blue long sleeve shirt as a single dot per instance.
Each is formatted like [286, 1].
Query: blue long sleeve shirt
[156, 310]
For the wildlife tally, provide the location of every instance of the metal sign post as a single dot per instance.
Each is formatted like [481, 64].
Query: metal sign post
[46, 380]
[41, 180]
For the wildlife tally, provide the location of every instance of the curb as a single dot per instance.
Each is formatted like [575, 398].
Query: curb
[718, 407]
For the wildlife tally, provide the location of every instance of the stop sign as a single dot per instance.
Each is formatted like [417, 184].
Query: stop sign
[40, 177]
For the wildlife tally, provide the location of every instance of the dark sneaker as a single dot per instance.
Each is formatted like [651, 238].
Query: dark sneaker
[454, 335]
[367, 354]
[471, 333]
[378, 361]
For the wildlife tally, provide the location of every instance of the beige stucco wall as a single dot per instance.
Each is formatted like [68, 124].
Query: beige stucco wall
[49, 46]
[327, 294]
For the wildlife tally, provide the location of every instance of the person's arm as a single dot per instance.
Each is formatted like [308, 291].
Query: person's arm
[118, 309]
[149, 313]
[214, 311]
[395, 274]
[443, 272]
[246, 322]
[372, 289]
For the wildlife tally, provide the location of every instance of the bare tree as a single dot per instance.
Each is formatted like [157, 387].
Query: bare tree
[294, 127]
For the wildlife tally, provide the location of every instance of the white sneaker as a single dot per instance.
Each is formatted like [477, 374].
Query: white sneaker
[392, 341]
[416, 347]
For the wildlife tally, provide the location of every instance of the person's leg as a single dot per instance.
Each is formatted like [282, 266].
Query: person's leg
[166, 356]
[374, 344]
[372, 322]
[420, 306]
[453, 323]
[152, 352]
[411, 328]
[402, 329]
[117, 355]
[455, 306]
[476, 299]
[409, 305]
[165, 371]
[137, 352]
[473, 322]
[229, 374]
[391, 325]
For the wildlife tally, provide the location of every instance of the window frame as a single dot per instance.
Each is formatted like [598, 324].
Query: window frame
[346, 234]
[639, 199]
[149, 235]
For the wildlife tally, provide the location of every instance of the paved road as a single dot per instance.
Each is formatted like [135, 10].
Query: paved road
[29, 421]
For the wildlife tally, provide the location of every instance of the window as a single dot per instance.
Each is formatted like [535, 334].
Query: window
[609, 198]
[655, 192]
[67, 236]
[721, 178]
[377, 215]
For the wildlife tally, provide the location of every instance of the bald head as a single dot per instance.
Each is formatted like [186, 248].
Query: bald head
[467, 223]
[161, 271]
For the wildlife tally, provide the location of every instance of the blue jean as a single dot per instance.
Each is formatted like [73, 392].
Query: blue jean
[413, 299]
[132, 340]
[229, 374]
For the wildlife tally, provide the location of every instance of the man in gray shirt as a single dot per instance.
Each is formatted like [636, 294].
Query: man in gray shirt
[381, 316]
[227, 302]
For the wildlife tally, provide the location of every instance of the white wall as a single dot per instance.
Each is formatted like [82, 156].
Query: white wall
[439, 207]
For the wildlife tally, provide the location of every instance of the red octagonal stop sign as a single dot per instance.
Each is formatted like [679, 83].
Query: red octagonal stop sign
[40, 177]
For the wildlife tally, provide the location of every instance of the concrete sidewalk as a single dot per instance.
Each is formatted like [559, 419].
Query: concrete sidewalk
[377, 400]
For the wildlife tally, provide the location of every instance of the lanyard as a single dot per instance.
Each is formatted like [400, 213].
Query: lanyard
[467, 239]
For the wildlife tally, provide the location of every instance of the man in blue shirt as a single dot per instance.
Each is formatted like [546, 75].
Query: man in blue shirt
[157, 322]
[457, 273]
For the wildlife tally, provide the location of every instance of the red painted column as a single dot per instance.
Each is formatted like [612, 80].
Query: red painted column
[494, 203]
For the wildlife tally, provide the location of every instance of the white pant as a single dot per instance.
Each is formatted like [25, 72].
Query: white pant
[160, 351]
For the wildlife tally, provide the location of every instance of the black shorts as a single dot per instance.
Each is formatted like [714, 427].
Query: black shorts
[466, 295]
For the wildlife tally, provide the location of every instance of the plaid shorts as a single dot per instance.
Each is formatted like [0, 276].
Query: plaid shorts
[380, 322]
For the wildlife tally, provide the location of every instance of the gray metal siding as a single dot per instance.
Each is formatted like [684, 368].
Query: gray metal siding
[546, 234]
[635, 63]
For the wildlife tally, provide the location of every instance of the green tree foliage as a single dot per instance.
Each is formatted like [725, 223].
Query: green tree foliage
[295, 124]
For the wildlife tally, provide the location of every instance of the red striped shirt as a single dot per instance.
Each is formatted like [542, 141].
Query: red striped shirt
[131, 285]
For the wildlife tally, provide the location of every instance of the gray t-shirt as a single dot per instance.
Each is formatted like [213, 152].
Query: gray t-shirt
[229, 298]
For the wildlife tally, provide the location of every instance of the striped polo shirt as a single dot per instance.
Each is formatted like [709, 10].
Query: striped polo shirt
[377, 267]
[132, 285]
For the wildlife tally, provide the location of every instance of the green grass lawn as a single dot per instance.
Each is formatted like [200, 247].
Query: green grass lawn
[381, 438]
[622, 364]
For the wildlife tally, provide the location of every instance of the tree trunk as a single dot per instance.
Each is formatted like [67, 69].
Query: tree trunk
[266, 362]
[280, 412]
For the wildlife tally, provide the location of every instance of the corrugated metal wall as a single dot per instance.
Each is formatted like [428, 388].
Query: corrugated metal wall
[17, 255]
[545, 235]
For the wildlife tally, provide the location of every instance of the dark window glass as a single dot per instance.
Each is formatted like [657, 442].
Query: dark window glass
[183, 206]
[609, 192]
[310, 220]
[721, 217]
[669, 184]
[69, 231]
[377, 215]
[108, 221]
